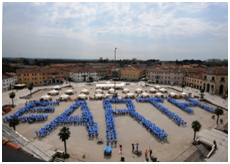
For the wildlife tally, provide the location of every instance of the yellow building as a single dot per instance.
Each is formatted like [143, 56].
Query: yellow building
[193, 80]
[130, 73]
[40, 76]
[215, 80]
[27, 76]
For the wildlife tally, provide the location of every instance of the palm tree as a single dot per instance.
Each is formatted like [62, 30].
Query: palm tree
[12, 95]
[64, 134]
[218, 112]
[196, 126]
[14, 122]
[201, 93]
[30, 88]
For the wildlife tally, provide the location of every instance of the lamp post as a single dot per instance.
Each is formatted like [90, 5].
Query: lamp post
[115, 69]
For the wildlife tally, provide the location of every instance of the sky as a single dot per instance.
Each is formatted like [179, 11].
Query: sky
[164, 31]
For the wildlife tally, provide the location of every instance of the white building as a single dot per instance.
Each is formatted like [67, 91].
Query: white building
[8, 79]
[79, 74]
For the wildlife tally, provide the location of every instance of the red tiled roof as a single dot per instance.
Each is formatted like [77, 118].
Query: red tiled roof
[11, 73]
[130, 69]
[32, 70]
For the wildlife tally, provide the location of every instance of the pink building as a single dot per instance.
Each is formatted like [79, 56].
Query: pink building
[173, 75]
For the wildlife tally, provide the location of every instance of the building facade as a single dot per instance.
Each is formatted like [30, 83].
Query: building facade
[215, 80]
[166, 76]
[79, 74]
[130, 73]
[193, 80]
[8, 79]
[40, 76]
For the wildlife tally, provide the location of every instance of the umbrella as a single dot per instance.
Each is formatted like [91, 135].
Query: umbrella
[157, 86]
[82, 95]
[98, 95]
[84, 90]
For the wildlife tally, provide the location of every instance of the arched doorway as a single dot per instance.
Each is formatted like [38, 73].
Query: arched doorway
[208, 87]
[221, 89]
[157, 81]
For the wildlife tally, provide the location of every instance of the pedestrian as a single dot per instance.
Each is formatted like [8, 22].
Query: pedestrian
[214, 142]
[132, 147]
[146, 153]
[150, 152]
[120, 152]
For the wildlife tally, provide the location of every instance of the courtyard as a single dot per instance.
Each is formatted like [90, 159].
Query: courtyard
[128, 129]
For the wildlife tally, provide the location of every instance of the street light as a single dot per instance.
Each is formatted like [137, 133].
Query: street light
[115, 70]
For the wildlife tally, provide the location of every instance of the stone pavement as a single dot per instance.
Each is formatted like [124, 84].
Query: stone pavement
[128, 129]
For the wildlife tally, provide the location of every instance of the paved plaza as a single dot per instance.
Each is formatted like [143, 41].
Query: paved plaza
[128, 129]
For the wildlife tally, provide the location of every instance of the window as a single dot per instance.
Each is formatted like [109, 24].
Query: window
[27, 74]
[35, 74]
[213, 78]
[24, 74]
[28, 79]
[32, 74]
[25, 79]
[32, 78]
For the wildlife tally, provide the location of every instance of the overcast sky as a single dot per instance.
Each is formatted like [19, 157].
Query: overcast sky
[165, 31]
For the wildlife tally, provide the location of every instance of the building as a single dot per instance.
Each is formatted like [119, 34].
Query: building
[40, 76]
[9, 79]
[215, 80]
[166, 75]
[52, 76]
[101, 73]
[80, 74]
[130, 73]
[193, 80]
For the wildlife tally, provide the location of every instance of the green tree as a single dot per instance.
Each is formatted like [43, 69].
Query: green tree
[202, 93]
[14, 122]
[90, 79]
[30, 88]
[12, 96]
[218, 112]
[196, 126]
[64, 135]
[69, 79]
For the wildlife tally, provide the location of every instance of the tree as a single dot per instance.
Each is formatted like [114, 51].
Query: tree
[196, 126]
[202, 93]
[101, 58]
[14, 122]
[69, 79]
[64, 135]
[218, 112]
[30, 88]
[182, 85]
[12, 95]
[90, 79]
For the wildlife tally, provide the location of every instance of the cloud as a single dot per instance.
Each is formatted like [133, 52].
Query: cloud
[128, 24]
